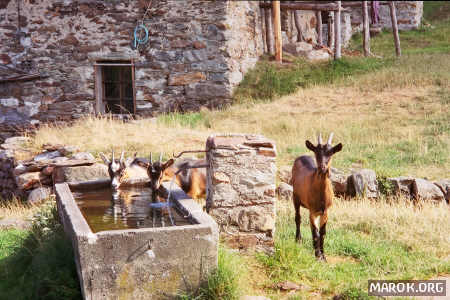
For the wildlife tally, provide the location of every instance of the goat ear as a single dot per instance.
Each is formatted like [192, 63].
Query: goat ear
[168, 163]
[104, 158]
[310, 146]
[336, 148]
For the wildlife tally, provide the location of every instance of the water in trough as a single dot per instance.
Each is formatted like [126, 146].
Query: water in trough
[129, 208]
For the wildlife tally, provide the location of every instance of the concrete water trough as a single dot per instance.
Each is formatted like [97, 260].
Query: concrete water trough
[140, 263]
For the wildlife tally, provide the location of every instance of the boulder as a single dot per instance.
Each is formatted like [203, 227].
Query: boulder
[284, 174]
[402, 185]
[80, 173]
[27, 180]
[424, 190]
[284, 191]
[444, 185]
[363, 183]
[83, 155]
[339, 181]
[299, 48]
[19, 169]
[318, 55]
[47, 156]
[39, 194]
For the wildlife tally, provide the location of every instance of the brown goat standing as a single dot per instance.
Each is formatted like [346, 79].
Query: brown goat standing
[312, 189]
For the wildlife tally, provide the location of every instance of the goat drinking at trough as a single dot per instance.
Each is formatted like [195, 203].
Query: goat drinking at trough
[312, 189]
[185, 172]
[123, 172]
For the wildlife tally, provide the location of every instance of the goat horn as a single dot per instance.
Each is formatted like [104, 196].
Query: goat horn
[160, 156]
[122, 156]
[330, 138]
[112, 150]
[151, 157]
[319, 139]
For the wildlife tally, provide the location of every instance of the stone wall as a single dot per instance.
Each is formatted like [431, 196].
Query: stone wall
[409, 15]
[197, 53]
[241, 188]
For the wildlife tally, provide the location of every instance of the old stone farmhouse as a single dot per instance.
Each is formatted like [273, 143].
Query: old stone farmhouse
[62, 59]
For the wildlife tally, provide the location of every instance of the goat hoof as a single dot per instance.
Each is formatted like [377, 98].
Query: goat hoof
[322, 258]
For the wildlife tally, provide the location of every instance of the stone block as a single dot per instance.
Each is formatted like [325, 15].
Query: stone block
[284, 191]
[188, 78]
[425, 190]
[81, 173]
[363, 183]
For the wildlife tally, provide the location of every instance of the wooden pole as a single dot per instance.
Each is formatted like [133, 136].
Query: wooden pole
[277, 31]
[366, 39]
[269, 31]
[331, 30]
[298, 25]
[398, 51]
[264, 29]
[337, 31]
[319, 27]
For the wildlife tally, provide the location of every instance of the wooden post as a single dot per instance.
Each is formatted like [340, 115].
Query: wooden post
[319, 26]
[398, 51]
[337, 31]
[269, 31]
[366, 39]
[330, 30]
[298, 26]
[277, 31]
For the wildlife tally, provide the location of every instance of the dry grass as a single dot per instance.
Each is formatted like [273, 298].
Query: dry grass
[397, 131]
[16, 209]
[422, 228]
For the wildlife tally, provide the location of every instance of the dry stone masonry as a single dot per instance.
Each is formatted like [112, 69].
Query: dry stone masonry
[198, 51]
[241, 188]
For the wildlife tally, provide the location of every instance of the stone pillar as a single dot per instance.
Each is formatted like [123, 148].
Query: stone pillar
[241, 189]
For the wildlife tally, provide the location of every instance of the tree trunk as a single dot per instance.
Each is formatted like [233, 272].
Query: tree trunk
[366, 40]
[398, 51]
[277, 31]
[337, 32]
[298, 25]
[319, 27]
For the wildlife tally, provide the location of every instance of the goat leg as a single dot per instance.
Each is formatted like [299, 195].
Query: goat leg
[322, 232]
[298, 219]
[313, 221]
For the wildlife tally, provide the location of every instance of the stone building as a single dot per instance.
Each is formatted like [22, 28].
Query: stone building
[81, 56]
[61, 59]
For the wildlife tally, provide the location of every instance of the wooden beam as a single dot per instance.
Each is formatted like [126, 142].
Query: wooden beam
[366, 39]
[398, 51]
[359, 4]
[269, 31]
[277, 31]
[319, 27]
[304, 6]
[337, 32]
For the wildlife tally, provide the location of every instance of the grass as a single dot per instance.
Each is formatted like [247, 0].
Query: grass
[38, 263]
[365, 240]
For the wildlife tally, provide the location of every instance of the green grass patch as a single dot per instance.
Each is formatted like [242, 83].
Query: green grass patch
[362, 254]
[38, 264]
[268, 81]
[190, 120]
[224, 282]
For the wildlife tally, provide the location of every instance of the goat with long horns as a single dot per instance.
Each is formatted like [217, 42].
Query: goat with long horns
[312, 189]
